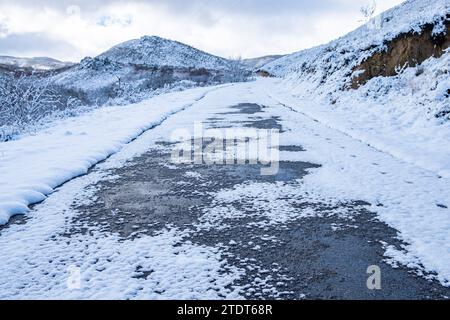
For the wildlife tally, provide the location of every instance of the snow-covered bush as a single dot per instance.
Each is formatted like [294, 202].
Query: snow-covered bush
[28, 100]
[22, 101]
[238, 71]
[134, 92]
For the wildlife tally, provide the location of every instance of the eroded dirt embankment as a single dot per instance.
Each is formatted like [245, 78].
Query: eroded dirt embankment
[407, 49]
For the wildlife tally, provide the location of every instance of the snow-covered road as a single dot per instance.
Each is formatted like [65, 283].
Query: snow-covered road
[138, 226]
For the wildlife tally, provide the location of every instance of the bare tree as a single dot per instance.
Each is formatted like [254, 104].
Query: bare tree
[368, 11]
[238, 71]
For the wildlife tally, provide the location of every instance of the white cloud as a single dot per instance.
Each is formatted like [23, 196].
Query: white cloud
[223, 27]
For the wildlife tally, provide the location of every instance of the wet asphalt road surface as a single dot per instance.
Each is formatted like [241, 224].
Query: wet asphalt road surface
[319, 257]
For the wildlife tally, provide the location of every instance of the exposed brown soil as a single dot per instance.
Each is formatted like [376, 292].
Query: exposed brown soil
[264, 74]
[408, 49]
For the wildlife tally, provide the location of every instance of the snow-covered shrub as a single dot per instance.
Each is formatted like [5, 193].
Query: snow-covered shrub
[443, 98]
[26, 101]
[134, 92]
[237, 71]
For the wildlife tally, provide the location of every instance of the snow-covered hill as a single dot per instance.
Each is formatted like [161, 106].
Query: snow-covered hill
[333, 62]
[257, 63]
[156, 51]
[131, 71]
[37, 63]
[386, 83]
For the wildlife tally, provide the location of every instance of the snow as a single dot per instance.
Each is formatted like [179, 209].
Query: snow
[338, 57]
[410, 108]
[406, 196]
[138, 68]
[39, 259]
[403, 194]
[388, 140]
[37, 63]
[256, 63]
[396, 122]
[278, 203]
[407, 169]
[82, 76]
[37, 255]
[156, 51]
[33, 166]
[385, 143]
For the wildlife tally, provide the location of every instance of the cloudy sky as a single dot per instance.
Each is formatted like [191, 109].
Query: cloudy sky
[70, 30]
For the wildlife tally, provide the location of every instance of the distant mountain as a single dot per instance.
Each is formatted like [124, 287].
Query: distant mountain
[257, 63]
[37, 63]
[156, 51]
[136, 67]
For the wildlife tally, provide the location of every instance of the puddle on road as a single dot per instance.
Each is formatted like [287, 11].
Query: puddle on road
[244, 109]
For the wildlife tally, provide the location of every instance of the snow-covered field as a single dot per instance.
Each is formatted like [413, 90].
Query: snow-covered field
[156, 51]
[328, 65]
[407, 196]
[398, 122]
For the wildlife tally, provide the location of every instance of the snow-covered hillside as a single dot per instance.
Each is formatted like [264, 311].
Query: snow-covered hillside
[403, 110]
[257, 63]
[131, 71]
[37, 63]
[335, 61]
[153, 51]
